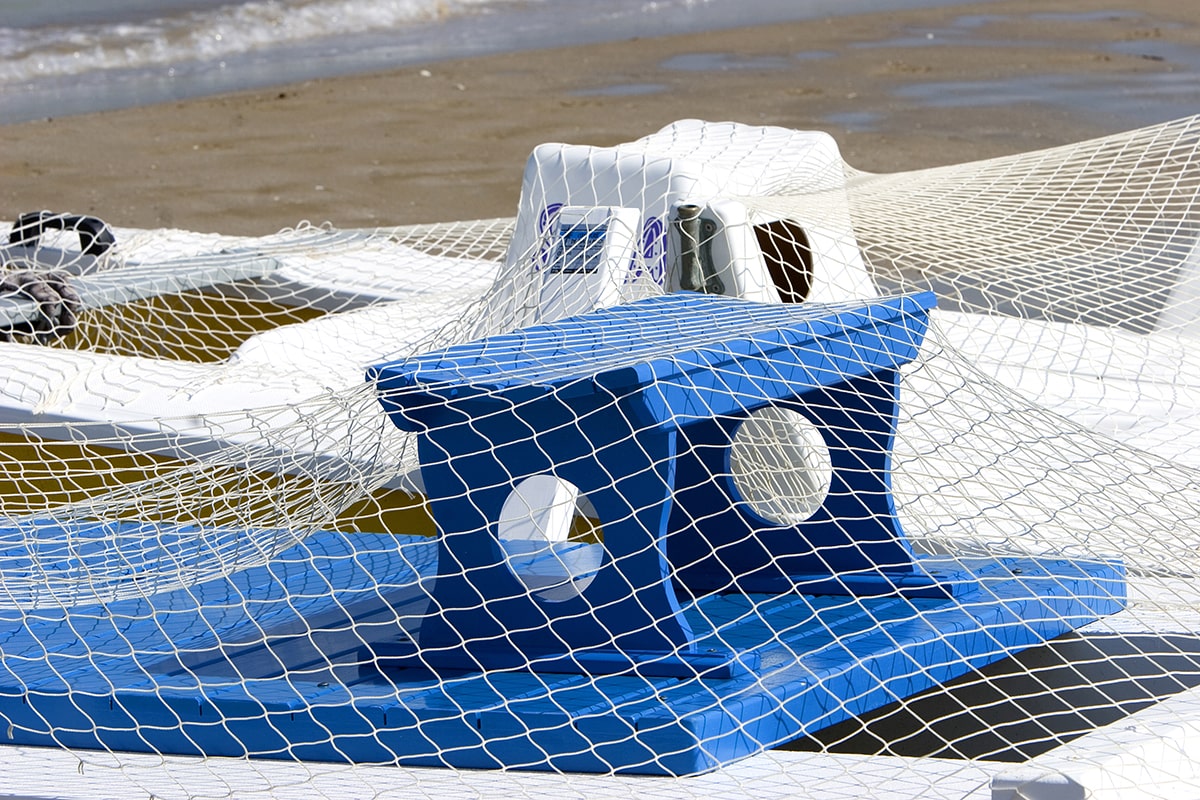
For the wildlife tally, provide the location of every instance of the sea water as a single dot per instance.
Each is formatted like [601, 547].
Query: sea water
[73, 56]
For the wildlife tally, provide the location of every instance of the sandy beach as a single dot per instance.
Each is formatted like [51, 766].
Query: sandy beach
[898, 90]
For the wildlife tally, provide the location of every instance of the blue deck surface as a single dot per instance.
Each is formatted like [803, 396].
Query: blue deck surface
[266, 663]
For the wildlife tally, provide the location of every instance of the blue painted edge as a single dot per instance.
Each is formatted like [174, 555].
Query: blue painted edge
[713, 664]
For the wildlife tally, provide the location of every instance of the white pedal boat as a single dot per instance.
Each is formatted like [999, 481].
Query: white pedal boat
[209, 411]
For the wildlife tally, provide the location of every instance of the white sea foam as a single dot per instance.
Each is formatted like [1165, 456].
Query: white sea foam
[207, 36]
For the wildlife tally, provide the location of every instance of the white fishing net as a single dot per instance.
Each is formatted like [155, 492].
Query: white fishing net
[495, 509]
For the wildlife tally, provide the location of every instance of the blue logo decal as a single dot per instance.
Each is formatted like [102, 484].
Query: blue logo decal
[654, 250]
[545, 246]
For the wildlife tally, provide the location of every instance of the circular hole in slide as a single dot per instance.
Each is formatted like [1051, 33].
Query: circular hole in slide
[551, 537]
[781, 465]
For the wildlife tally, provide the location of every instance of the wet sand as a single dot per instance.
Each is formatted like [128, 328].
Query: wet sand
[898, 90]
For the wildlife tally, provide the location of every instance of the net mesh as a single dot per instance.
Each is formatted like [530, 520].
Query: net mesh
[355, 513]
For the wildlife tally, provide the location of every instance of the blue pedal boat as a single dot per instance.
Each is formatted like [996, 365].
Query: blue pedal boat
[680, 629]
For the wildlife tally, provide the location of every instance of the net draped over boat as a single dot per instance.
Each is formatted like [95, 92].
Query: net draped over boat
[308, 479]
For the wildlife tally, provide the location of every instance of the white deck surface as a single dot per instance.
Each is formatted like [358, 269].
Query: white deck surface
[29, 772]
[1152, 754]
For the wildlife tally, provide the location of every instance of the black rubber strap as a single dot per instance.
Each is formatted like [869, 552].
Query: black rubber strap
[95, 237]
[58, 304]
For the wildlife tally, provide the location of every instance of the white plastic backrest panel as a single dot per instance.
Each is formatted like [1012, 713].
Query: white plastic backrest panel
[584, 258]
[560, 175]
[707, 164]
